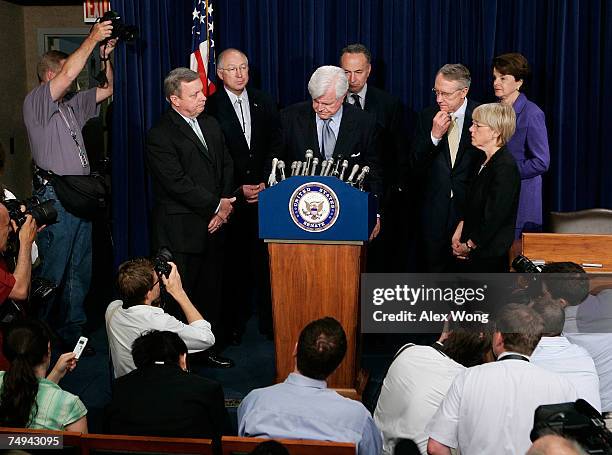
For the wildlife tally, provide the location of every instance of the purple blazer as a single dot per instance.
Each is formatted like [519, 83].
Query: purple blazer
[529, 147]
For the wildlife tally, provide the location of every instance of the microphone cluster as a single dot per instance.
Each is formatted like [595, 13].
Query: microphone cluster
[329, 168]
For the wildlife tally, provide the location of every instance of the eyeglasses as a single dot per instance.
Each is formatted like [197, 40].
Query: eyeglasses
[444, 95]
[234, 69]
[478, 125]
[154, 284]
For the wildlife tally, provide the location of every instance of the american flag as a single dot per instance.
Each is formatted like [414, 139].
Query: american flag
[202, 57]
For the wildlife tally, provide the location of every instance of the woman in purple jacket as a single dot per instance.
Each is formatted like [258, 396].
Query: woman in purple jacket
[529, 145]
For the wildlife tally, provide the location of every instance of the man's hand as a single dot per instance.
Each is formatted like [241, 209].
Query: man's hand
[251, 192]
[221, 217]
[107, 49]
[65, 364]
[173, 283]
[440, 124]
[101, 30]
[376, 230]
[27, 233]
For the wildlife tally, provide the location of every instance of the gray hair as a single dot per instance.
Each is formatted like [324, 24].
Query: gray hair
[226, 51]
[323, 78]
[357, 48]
[499, 117]
[172, 83]
[456, 72]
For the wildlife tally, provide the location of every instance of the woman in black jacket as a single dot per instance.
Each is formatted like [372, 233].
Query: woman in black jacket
[484, 235]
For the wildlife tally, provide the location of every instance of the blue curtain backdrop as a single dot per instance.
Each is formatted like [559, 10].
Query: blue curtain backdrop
[568, 43]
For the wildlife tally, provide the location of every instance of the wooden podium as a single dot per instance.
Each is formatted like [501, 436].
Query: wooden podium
[316, 228]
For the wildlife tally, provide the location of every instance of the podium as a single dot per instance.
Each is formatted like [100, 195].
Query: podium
[316, 228]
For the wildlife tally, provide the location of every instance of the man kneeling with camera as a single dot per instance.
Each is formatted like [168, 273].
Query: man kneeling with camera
[139, 310]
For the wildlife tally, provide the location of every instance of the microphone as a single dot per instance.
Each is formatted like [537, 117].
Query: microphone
[293, 168]
[364, 172]
[304, 164]
[298, 168]
[330, 163]
[272, 178]
[309, 155]
[281, 167]
[336, 173]
[323, 165]
[314, 166]
[344, 167]
[352, 174]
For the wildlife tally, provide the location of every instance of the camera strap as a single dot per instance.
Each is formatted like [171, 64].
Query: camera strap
[73, 134]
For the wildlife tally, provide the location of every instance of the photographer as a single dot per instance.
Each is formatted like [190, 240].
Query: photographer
[140, 311]
[16, 285]
[54, 119]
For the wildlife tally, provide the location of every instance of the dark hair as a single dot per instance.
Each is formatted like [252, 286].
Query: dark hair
[134, 280]
[513, 64]
[25, 345]
[321, 348]
[467, 347]
[520, 326]
[270, 448]
[357, 48]
[157, 346]
[49, 61]
[573, 286]
[552, 315]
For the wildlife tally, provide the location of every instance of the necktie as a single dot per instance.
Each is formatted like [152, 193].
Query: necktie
[239, 102]
[196, 129]
[328, 139]
[453, 140]
[357, 100]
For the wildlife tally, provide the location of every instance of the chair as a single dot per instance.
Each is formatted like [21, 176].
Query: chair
[233, 445]
[69, 438]
[143, 444]
[590, 221]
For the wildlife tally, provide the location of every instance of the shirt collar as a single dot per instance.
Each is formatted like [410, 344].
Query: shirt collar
[233, 97]
[460, 113]
[361, 93]
[305, 381]
[187, 119]
[337, 117]
[506, 353]
[151, 308]
[520, 103]
[559, 341]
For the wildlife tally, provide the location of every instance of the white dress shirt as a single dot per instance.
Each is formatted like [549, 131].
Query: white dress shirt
[459, 115]
[557, 354]
[246, 112]
[489, 408]
[412, 391]
[124, 325]
[336, 119]
[362, 96]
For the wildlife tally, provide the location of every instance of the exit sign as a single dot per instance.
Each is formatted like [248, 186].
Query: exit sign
[93, 9]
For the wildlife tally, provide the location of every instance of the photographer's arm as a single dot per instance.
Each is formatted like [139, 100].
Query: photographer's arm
[174, 287]
[23, 269]
[76, 61]
[103, 93]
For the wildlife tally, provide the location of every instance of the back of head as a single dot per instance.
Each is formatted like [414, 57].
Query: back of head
[50, 61]
[270, 448]
[572, 286]
[501, 118]
[321, 348]
[554, 444]
[26, 345]
[552, 315]
[468, 346]
[158, 346]
[325, 77]
[134, 280]
[520, 326]
[456, 72]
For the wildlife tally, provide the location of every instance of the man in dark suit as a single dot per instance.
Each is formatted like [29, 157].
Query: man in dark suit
[444, 156]
[251, 126]
[161, 397]
[192, 176]
[355, 60]
[332, 129]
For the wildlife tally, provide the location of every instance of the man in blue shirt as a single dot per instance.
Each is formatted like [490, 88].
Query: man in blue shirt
[303, 407]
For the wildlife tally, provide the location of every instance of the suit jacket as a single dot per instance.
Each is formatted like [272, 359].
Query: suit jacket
[357, 140]
[163, 400]
[188, 180]
[250, 164]
[492, 202]
[438, 178]
[388, 112]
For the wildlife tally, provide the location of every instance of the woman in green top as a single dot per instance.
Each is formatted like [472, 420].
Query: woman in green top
[28, 399]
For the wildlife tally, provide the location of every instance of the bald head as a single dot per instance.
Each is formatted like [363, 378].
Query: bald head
[555, 445]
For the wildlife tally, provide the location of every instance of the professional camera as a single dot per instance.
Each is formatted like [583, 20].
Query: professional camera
[579, 421]
[160, 262]
[44, 213]
[124, 32]
[522, 264]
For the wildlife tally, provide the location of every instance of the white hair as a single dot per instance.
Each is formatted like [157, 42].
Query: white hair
[323, 78]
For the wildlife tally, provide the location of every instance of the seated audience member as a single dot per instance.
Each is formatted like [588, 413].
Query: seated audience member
[588, 318]
[555, 353]
[139, 311]
[27, 398]
[489, 408]
[418, 380]
[553, 444]
[270, 448]
[303, 407]
[161, 397]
